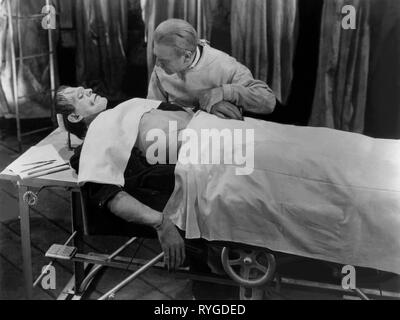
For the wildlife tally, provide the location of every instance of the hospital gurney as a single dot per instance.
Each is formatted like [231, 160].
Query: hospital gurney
[238, 259]
[253, 269]
[86, 223]
[249, 259]
[76, 288]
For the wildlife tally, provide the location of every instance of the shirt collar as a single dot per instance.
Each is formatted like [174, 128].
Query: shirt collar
[196, 59]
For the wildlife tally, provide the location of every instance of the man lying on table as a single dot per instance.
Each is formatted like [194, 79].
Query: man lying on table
[307, 193]
[79, 107]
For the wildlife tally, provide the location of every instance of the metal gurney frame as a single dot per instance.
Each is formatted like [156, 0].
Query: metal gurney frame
[250, 288]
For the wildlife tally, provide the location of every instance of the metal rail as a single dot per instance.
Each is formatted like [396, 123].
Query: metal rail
[122, 262]
[132, 277]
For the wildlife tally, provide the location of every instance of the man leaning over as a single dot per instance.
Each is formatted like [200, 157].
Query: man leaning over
[192, 74]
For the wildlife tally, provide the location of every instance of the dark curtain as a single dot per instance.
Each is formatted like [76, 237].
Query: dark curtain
[264, 35]
[156, 11]
[341, 91]
[305, 67]
[383, 104]
[101, 28]
[135, 80]
[66, 50]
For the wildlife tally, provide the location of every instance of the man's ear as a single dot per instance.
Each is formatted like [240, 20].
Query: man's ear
[188, 56]
[74, 118]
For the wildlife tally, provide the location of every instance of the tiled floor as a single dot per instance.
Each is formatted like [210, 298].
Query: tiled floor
[50, 223]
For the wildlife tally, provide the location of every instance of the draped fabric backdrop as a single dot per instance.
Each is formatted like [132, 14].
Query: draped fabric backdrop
[383, 100]
[264, 35]
[33, 76]
[156, 11]
[341, 90]
[101, 28]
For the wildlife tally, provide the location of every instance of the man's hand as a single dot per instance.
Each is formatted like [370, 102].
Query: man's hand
[128, 208]
[172, 244]
[212, 101]
[226, 110]
[208, 98]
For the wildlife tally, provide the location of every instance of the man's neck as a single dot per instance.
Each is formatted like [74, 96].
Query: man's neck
[88, 120]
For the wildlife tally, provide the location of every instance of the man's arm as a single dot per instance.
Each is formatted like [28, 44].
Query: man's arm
[253, 95]
[244, 91]
[128, 208]
[155, 91]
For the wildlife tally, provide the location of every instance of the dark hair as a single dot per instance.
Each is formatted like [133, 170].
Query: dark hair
[65, 107]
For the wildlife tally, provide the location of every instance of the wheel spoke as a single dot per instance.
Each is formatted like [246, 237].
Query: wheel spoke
[235, 262]
[260, 267]
[245, 272]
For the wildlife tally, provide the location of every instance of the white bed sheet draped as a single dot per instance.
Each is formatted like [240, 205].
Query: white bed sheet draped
[314, 192]
[109, 142]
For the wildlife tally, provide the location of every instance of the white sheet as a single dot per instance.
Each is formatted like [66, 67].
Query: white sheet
[33, 160]
[314, 192]
[110, 140]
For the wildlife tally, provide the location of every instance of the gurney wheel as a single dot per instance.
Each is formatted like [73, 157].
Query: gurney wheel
[249, 267]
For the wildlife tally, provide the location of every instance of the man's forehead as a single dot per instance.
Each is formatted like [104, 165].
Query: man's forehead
[72, 90]
[162, 51]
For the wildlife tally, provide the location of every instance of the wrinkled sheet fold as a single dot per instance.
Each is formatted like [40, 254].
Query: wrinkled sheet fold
[314, 192]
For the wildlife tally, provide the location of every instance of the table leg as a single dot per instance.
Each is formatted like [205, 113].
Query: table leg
[25, 241]
[77, 225]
